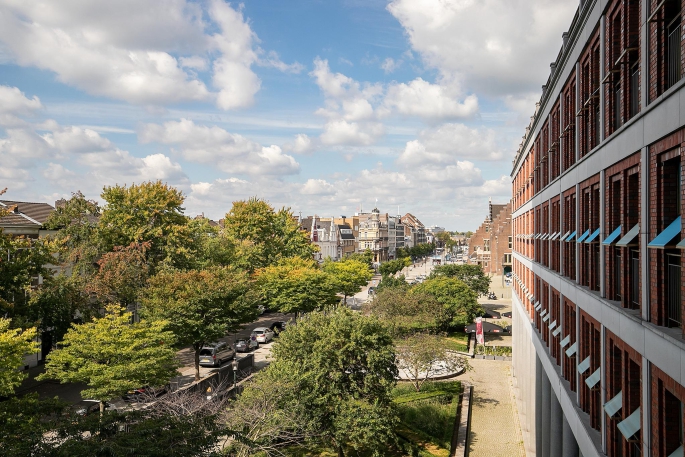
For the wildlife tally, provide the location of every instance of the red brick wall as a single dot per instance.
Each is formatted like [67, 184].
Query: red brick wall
[589, 220]
[570, 373]
[590, 345]
[569, 226]
[589, 95]
[569, 136]
[555, 227]
[665, 425]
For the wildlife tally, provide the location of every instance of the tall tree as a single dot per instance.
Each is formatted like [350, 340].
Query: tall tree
[393, 266]
[343, 389]
[460, 302]
[14, 344]
[150, 211]
[406, 313]
[112, 356]
[263, 236]
[200, 306]
[121, 275]
[348, 275]
[472, 275]
[295, 285]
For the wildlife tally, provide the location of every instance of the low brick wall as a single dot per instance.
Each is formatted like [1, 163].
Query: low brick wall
[462, 423]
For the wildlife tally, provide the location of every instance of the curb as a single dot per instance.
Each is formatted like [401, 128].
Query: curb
[462, 424]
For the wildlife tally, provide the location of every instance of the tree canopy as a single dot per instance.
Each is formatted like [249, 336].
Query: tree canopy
[200, 306]
[343, 389]
[472, 275]
[14, 344]
[460, 302]
[406, 313]
[348, 275]
[295, 285]
[111, 355]
[392, 267]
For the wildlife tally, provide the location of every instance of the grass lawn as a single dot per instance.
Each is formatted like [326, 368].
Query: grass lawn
[456, 341]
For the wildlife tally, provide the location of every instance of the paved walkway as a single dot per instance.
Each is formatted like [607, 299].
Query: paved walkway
[495, 430]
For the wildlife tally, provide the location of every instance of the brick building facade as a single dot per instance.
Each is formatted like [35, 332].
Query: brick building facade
[599, 341]
[491, 244]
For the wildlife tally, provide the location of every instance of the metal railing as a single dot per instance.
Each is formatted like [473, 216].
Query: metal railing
[635, 91]
[635, 281]
[673, 54]
[617, 277]
[673, 295]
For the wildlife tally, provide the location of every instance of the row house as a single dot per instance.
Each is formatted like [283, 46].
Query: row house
[414, 230]
[490, 246]
[599, 299]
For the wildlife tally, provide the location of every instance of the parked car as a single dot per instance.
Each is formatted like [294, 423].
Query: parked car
[143, 393]
[279, 326]
[87, 407]
[215, 353]
[246, 344]
[264, 334]
[261, 309]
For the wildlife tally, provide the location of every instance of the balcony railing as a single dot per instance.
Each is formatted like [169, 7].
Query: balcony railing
[673, 297]
[674, 53]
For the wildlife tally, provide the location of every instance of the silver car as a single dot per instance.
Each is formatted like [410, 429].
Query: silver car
[214, 354]
[263, 334]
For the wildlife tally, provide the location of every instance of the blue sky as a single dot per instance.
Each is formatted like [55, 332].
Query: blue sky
[322, 106]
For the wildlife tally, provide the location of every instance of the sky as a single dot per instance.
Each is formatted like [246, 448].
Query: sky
[323, 106]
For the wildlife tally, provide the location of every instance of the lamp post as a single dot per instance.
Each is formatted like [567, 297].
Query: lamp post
[235, 371]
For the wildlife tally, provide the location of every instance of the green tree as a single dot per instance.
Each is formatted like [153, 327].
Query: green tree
[391, 282]
[343, 389]
[460, 302]
[121, 275]
[200, 306]
[406, 313]
[14, 344]
[112, 356]
[264, 236]
[392, 267]
[366, 257]
[147, 212]
[26, 425]
[295, 285]
[77, 240]
[446, 239]
[348, 276]
[53, 305]
[472, 275]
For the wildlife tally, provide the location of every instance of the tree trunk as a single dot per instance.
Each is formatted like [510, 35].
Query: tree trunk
[341, 452]
[197, 364]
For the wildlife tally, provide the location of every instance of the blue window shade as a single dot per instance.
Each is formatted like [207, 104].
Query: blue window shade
[571, 236]
[614, 405]
[630, 236]
[613, 237]
[563, 237]
[594, 378]
[583, 236]
[668, 235]
[631, 425]
[592, 236]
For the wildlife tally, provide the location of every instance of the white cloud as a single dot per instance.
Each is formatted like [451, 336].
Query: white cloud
[317, 187]
[426, 100]
[341, 132]
[448, 143]
[301, 145]
[144, 52]
[229, 152]
[77, 140]
[13, 103]
[492, 46]
[389, 65]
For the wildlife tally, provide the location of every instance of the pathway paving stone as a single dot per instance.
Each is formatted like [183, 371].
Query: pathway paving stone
[495, 430]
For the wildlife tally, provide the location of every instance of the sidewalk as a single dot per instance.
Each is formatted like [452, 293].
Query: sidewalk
[495, 430]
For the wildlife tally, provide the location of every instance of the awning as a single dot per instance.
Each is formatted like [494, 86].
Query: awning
[563, 237]
[546, 318]
[542, 314]
[571, 236]
[613, 237]
[583, 236]
[592, 236]
[557, 331]
[677, 453]
[664, 238]
[570, 352]
[538, 305]
[584, 365]
[552, 325]
[593, 379]
[630, 236]
[614, 405]
[631, 425]
[565, 341]
[537, 235]
[556, 235]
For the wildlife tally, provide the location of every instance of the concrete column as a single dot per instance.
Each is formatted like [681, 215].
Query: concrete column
[646, 406]
[644, 232]
[570, 448]
[602, 234]
[538, 406]
[556, 427]
[603, 387]
[546, 416]
[602, 34]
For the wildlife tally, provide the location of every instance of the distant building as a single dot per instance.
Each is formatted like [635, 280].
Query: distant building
[414, 230]
[323, 232]
[25, 218]
[491, 245]
[373, 234]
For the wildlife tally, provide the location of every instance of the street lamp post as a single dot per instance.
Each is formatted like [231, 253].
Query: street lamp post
[235, 371]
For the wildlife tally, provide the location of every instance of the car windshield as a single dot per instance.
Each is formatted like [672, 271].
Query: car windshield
[240, 342]
[206, 351]
[259, 332]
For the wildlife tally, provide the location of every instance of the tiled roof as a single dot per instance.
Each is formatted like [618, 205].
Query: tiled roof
[17, 220]
[39, 212]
